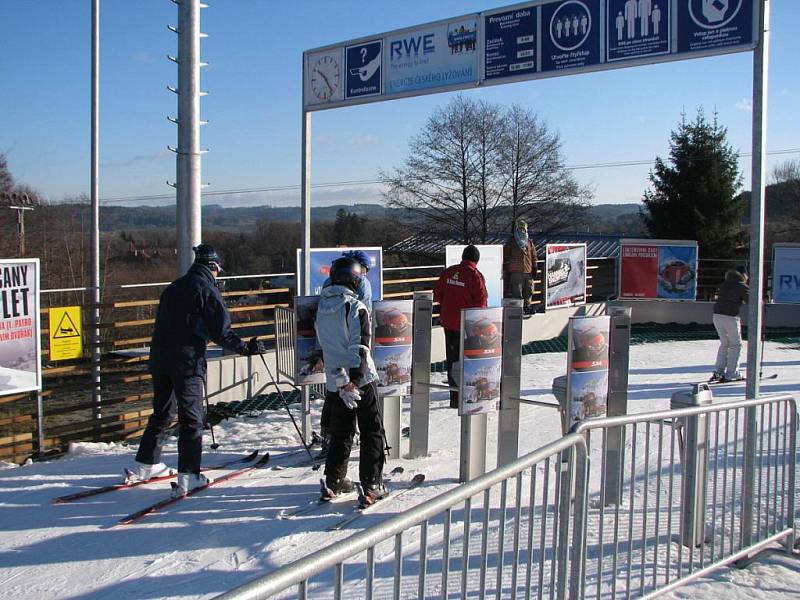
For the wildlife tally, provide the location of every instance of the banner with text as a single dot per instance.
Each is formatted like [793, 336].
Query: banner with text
[391, 345]
[20, 326]
[587, 368]
[308, 355]
[321, 259]
[658, 269]
[786, 274]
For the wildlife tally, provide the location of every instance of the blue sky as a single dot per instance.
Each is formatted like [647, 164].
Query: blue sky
[254, 49]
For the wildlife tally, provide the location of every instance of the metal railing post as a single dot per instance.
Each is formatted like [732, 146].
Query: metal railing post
[420, 375]
[508, 416]
[618, 358]
[578, 549]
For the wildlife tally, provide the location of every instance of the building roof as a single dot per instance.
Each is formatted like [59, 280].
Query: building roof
[598, 245]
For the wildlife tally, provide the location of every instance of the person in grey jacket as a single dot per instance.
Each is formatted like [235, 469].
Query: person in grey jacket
[731, 294]
[344, 332]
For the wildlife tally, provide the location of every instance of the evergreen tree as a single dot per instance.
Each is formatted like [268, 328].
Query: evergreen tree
[694, 196]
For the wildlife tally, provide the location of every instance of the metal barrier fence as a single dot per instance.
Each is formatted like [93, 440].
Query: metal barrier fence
[657, 493]
[496, 536]
[551, 525]
[285, 335]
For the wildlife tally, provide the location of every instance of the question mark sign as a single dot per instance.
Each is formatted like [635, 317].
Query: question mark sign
[363, 55]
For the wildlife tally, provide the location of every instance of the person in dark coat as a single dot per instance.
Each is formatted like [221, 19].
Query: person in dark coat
[731, 294]
[460, 286]
[190, 312]
[519, 263]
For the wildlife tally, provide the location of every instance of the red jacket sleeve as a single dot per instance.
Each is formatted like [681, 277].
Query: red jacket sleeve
[437, 289]
[479, 295]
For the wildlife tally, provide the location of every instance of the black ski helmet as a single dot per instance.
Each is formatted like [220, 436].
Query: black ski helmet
[346, 271]
[204, 254]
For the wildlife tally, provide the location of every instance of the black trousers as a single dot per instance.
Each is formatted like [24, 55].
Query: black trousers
[452, 347]
[343, 427]
[183, 394]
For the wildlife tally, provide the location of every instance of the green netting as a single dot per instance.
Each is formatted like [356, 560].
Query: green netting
[644, 333]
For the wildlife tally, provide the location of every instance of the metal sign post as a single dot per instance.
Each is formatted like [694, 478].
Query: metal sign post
[508, 417]
[755, 300]
[472, 463]
[391, 411]
[618, 363]
[420, 375]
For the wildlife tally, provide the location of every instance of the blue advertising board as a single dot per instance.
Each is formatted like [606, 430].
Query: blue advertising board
[432, 57]
[570, 34]
[786, 274]
[637, 28]
[363, 69]
[510, 43]
[677, 272]
[714, 24]
[321, 259]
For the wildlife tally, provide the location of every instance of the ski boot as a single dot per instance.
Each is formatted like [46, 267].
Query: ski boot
[143, 472]
[370, 494]
[715, 377]
[187, 482]
[333, 489]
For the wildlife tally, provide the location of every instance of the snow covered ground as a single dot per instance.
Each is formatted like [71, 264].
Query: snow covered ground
[230, 534]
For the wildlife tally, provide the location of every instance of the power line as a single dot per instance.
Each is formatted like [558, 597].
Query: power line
[332, 184]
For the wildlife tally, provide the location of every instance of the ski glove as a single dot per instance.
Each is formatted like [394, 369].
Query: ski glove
[350, 395]
[255, 347]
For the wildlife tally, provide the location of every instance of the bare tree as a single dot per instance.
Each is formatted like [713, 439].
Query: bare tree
[540, 188]
[476, 167]
[437, 181]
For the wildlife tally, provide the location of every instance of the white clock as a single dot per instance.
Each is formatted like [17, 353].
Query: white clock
[326, 75]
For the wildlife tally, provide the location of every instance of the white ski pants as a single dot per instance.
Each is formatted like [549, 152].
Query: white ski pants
[730, 345]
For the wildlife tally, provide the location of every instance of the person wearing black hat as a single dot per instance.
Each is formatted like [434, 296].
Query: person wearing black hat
[460, 286]
[190, 312]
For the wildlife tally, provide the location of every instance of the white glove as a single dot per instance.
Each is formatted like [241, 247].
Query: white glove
[350, 395]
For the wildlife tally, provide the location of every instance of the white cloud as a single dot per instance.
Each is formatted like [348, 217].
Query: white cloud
[745, 104]
[144, 57]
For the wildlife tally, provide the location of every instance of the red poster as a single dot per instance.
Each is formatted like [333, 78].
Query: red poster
[639, 272]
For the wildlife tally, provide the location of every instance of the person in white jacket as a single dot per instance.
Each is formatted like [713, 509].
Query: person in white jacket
[344, 332]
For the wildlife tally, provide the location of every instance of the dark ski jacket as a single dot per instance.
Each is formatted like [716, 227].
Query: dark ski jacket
[190, 312]
[460, 286]
[731, 294]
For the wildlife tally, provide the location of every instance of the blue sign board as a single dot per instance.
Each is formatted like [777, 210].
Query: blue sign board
[510, 43]
[432, 57]
[786, 274]
[570, 34]
[363, 69]
[320, 263]
[714, 24]
[637, 28]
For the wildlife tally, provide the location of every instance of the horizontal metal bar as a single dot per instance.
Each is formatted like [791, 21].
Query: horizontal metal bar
[536, 402]
[438, 386]
[749, 551]
[326, 558]
[605, 422]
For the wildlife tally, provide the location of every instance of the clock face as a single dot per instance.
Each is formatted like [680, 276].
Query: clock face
[325, 77]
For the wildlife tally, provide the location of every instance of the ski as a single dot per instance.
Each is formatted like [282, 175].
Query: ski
[742, 380]
[414, 483]
[134, 517]
[123, 486]
[319, 503]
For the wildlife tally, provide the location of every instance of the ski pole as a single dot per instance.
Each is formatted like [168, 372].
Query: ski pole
[288, 410]
[214, 444]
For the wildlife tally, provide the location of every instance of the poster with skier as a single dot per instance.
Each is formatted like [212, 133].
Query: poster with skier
[658, 269]
[308, 364]
[391, 345]
[565, 275]
[20, 326]
[587, 367]
[481, 360]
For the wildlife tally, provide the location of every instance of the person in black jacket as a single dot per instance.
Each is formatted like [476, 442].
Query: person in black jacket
[731, 294]
[190, 312]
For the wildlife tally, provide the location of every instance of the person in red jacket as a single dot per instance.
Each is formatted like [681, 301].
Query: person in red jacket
[460, 286]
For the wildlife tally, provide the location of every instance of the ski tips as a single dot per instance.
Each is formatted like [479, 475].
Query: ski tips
[418, 478]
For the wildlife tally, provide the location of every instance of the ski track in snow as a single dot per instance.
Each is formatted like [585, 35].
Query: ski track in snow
[230, 534]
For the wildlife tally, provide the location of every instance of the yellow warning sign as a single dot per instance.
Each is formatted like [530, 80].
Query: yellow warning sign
[66, 339]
